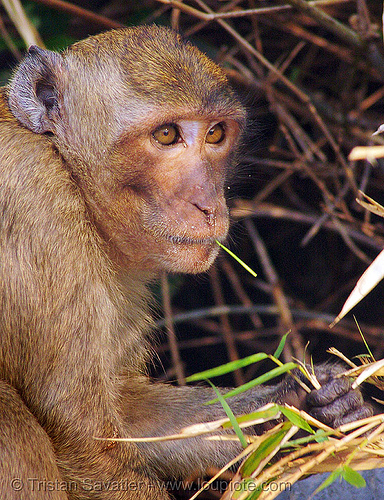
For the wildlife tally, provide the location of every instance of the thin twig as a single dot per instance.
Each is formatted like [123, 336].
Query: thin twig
[175, 353]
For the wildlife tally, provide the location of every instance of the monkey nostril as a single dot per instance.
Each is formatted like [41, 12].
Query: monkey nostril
[210, 216]
[210, 213]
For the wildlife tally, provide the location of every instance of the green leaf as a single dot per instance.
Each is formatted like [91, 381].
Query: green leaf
[227, 367]
[247, 268]
[276, 372]
[281, 345]
[330, 479]
[231, 416]
[269, 444]
[255, 494]
[296, 419]
[256, 415]
[321, 436]
[353, 477]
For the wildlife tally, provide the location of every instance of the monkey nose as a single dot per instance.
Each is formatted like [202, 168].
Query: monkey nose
[210, 215]
[206, 201]
[208, 209]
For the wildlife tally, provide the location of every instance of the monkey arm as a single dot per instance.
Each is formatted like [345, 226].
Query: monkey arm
[166, 410]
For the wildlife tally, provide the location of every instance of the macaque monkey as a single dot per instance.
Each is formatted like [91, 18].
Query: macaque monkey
[114, 156]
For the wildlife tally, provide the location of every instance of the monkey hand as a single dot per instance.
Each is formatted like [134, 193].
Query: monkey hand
[336, 402]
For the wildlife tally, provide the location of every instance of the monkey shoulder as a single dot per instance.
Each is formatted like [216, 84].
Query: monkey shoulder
[37, 191]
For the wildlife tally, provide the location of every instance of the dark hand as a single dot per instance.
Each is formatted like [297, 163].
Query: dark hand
[336, 403]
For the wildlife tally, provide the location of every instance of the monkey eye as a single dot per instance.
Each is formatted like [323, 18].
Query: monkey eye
[167, 135]
[215, 134]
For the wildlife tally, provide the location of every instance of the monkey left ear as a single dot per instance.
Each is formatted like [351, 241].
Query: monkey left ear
[34, 91]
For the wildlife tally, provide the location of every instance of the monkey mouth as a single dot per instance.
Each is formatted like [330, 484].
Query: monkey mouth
[185, 240]
[188, 235]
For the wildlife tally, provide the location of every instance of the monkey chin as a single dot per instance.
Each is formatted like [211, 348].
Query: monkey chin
[189, 258]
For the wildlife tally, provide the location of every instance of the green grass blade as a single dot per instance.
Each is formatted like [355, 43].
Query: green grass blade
[256, 415]
[230, 415]
[295, 419]
[227, 367]
[365, 342]
[275, 372]
[330, 479]
[281, 345]
[247, 268]
[265, 448]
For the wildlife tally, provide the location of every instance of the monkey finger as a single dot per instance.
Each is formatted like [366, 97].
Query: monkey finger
[331, 413]
[362, 412]
[328, 371]
[329, 392]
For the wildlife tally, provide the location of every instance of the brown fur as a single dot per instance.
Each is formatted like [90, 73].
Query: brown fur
[91, 209]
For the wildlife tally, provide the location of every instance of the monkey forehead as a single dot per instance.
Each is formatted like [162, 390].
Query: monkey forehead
[154, 64]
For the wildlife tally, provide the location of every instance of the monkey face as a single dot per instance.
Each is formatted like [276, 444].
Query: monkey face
[167, 211]
[147, 125]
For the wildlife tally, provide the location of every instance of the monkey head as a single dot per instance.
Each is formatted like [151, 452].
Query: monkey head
[148, 127]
